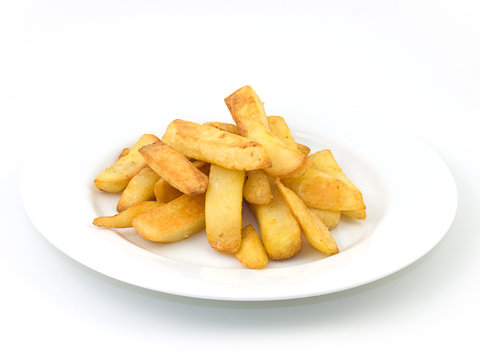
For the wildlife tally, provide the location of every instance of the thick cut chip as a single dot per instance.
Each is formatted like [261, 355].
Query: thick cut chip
[257, 188]
[124, 218]
[313, 228]
[231, 128]
[175, 168]
[164, 192]
[279, 128]
[324, 161]
[124, 152]
[355, 214]
[249, 114]
[140, 188]
[116, 178]
[322, 191]
[223, 208]
[330, 218]
[251, 253]
[207, 143]
[280, 233]
[303, 148]
[174, 221]
[246, 104]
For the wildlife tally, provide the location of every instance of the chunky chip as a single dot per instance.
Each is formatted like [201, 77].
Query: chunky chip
[224, 127]
[175, 168]
[249, 114]
[330, 218]
[251, 253]
[174, 221]
[280, 233]
[116, 178]
[223, 208]
[324, 161]
[207, 143]
[140, 188]
[124, 218]
[322, 191]
[257, 188]
[315, 231]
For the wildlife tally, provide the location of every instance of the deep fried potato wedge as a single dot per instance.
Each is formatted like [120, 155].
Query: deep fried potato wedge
[224, 126]
[322, 191]
[207, 143]
[175, 168]
[279, 128]
[330, 218]
[140, 188]
[313, 228]
[164, 192]
[280, 233]
[249, 114]
[303, 148]
[251, 253]
[124, 218]
[173, 221]
[355, 214]
[246, 104]
[223, 208]
[257, 188]
[325, 161]
[116, 178]
[124, 152]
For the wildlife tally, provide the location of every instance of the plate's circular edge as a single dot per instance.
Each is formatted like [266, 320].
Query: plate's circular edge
[453, 209]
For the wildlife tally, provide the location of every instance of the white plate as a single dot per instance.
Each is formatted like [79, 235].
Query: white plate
[409, 192]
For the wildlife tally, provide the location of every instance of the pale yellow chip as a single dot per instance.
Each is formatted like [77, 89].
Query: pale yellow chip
[325, 161]
[279, 231]
[140, 188]
[115, 178]
[315, 231]
[257, 188]
[124, 218]
[330, 218]
[174, 221]
[215, 146]
[249, 115]
[231, 128]
[175, 168]
[251, 253]
[223, 208]
[322, 191]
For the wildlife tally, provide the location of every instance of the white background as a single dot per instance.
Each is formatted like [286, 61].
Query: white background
[68, 65]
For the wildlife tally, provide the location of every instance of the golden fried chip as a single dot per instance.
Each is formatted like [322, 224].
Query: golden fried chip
[279, 231]
[322, 191]
[251, 253]
[173, 221]
[249, 114]
[312, 227]
[116, 178]
[257, 188]
[231, 128]
[330, 218]
[207, 143]
[324, 161]
[223, 208]
[175, 168]
[140, 188]
[124, 218]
